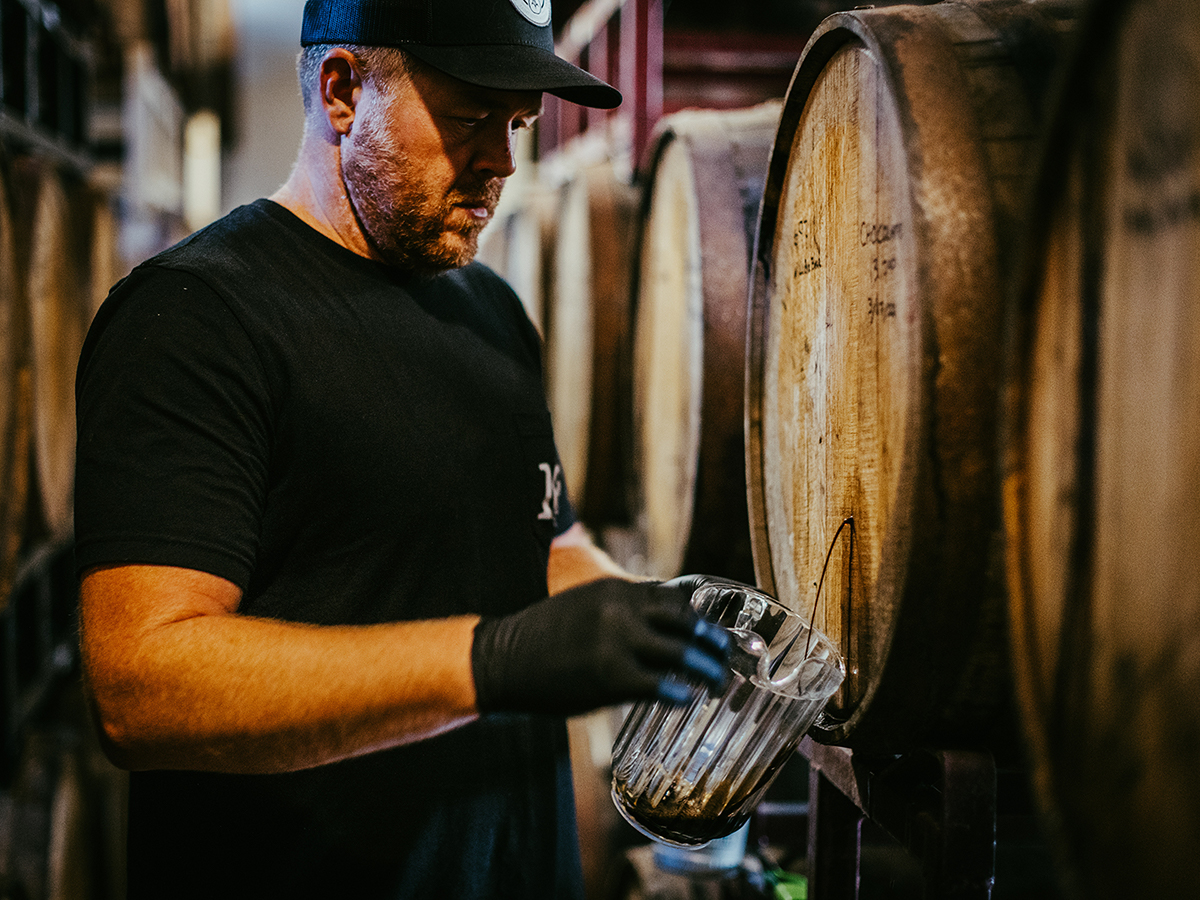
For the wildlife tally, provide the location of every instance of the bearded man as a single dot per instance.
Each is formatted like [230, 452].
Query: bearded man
[311, 510]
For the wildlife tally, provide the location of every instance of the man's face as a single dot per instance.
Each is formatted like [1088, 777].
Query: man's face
[425, 162]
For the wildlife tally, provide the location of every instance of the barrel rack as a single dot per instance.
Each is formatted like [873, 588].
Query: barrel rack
[941, 805]
[963, 820]
[619, 41]
[661, 69]
[46, 72]
[38, 647]
[966, 821]
[45, 75]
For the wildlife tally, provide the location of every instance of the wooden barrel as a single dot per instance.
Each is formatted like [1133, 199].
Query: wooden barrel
[517, 245]
[703, 185]
[58, 297]
[603, 834]
[106, 267]
[1102, 458]
[69, 869]
[891, 207]
[45, 850]
[587, 325]
[15, 403]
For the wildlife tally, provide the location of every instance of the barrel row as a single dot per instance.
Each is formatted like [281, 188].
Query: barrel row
[638, 284]
[58, 256]
[614, 269]
[966, 335]
[792, 319]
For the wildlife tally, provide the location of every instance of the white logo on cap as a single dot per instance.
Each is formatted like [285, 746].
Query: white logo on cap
[536, 11]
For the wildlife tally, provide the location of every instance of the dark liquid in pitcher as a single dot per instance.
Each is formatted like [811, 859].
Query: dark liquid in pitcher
[687, 823]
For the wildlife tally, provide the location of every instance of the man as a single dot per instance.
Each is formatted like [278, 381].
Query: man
[318, 506]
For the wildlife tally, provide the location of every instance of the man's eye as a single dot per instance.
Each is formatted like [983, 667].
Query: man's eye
[469, 121]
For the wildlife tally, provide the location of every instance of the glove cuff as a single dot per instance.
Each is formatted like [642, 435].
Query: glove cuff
[483, 657]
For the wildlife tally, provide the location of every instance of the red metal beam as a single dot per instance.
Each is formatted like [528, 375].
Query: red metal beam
[620, 41]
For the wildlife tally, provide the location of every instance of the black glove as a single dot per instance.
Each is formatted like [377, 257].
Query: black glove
[600, 644]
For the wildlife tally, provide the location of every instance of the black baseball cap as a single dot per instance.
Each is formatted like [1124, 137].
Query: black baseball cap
[504, 44]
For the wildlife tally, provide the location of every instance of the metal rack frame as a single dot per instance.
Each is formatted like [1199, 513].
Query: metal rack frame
[38, 646]
[941, 805]
[46, 72]
[621, 42]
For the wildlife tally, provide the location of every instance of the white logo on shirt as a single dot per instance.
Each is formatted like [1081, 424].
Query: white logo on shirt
[536, 11]
[554, 486]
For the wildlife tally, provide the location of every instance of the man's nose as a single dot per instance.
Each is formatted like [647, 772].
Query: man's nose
[495, 156]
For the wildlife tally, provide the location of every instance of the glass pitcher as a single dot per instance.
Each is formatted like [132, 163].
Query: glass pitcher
[686, 775]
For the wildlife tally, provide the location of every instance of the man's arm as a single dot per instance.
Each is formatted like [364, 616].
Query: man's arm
[576, 560]
[178, 679]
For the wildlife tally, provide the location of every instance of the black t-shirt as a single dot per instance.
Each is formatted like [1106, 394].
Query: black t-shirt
[349, 447]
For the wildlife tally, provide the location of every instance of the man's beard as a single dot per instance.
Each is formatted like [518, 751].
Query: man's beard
[404, 221]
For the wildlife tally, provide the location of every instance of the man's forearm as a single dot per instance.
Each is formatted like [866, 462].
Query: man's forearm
[202, 687]
[575, 559]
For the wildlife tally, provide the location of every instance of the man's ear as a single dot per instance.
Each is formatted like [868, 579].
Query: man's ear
[340, 88]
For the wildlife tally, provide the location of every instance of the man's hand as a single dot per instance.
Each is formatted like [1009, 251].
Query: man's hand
[607, 642]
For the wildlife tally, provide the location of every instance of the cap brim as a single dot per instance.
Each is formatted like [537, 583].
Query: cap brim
[518, 67]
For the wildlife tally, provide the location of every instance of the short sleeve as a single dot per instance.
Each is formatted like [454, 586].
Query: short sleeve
[173, 431]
